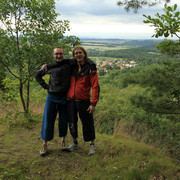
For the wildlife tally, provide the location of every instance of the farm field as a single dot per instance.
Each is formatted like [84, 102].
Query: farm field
[142, 52]
[103, 45]
[115, 44]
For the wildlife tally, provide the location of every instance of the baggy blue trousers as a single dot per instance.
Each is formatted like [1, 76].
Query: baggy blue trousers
[54, 104]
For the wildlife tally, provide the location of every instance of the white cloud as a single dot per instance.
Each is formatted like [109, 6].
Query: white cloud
[104, 19]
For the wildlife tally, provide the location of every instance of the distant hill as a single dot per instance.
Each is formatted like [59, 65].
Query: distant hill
[140, 42]
[122, 42]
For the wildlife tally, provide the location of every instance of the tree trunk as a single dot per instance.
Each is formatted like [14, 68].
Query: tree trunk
[22, 97]
[28, 95]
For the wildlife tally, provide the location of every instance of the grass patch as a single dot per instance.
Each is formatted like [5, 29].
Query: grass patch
[115, 158]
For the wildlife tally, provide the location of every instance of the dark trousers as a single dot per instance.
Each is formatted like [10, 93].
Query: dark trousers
[75, 107]
[54, 104]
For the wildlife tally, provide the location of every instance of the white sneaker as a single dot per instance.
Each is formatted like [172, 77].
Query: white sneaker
[72, 146]
[92, 150]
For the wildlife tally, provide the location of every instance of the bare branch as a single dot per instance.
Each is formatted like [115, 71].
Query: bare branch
[8, 69]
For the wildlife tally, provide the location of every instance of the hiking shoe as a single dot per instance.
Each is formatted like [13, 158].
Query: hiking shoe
[92, 150]
[43, 150]
[72, 146]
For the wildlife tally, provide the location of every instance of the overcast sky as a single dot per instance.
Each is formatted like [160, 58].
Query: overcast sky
[104, 19]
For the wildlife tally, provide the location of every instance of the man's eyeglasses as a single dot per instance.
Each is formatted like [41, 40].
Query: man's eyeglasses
[59, 54]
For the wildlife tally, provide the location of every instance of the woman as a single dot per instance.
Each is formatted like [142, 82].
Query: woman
[79, 94]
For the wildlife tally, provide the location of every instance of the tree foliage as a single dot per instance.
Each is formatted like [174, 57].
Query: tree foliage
[28, 33]
[135, 5]
[146, 99]
[136, 109]
[166, 24]
[169, 47]
[162, 84]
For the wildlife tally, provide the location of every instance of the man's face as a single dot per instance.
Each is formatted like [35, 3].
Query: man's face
[79, 55]
[58, 54]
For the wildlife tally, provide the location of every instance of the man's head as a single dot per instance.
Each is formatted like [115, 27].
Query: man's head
[58, 53]
[80, 54]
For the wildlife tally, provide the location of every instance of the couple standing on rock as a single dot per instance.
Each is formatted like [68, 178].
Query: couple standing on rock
[69, 93]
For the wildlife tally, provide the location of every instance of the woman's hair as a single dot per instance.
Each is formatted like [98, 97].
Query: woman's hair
[85, 52]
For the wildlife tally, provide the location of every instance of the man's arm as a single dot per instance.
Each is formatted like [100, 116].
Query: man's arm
[53, 65]
[38, 76]
[48, 66]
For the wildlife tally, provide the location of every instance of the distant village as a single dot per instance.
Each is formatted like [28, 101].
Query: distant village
[118, 64]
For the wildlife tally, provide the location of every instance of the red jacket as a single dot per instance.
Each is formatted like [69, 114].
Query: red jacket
[81, 84]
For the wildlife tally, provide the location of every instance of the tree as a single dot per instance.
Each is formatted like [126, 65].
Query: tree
[29, 31]
[162, 83]
[2, 76]
[166, 25]
[138, 4]
[169, 47]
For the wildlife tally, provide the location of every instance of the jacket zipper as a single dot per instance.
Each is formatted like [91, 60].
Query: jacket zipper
[75, 86]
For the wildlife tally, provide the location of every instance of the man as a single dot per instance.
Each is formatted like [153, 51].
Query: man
[81, 83]
[56, 99]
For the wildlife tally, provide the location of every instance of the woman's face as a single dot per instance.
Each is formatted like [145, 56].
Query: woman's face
[79, 55]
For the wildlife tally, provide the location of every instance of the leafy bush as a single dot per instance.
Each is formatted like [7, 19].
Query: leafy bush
[124, 108]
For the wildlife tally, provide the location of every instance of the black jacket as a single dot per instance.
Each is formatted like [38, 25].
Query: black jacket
[73, 63]
[59, 77]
